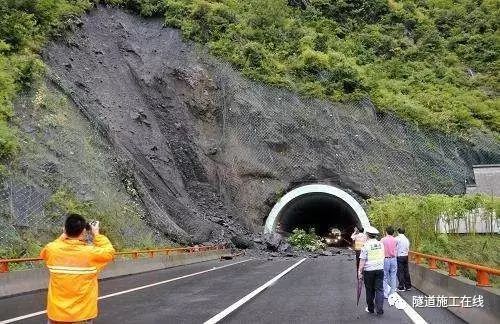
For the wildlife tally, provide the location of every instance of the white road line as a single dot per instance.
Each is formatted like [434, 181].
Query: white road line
[23, 317]
[412, 314]
[19, 318]
[251, 295]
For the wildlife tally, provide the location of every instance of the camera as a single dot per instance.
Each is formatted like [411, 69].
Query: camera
[89, 225]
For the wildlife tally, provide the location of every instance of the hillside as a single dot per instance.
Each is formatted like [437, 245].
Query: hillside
[431, 62]
[207, 147]
[122, 117]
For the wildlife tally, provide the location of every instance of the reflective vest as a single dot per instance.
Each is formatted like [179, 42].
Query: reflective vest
[73, 266]
[359, 240]
[373, 254]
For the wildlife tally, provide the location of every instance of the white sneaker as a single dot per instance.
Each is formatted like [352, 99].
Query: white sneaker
[400, 304]
[392, 299]
[366, 310]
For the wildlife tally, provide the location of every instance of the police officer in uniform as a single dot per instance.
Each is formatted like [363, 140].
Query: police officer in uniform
[371, 270]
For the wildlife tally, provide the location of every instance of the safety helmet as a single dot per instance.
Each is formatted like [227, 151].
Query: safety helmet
[371, 230]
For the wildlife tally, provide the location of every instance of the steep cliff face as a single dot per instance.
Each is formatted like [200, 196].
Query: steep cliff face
[209, 150]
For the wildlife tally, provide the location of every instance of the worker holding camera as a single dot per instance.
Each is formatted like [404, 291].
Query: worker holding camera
[73, 266]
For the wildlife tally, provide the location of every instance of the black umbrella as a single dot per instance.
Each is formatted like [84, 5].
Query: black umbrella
[360, 286]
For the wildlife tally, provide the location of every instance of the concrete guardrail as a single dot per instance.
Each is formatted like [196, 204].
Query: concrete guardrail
[436, 282]
[23, 281]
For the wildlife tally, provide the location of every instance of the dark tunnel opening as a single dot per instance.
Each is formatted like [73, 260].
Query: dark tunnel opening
[321, 212]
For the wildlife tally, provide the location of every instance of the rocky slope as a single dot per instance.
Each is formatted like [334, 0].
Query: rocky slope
[209, 150]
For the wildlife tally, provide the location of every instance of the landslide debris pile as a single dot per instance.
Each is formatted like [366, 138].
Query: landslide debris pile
[210, 151]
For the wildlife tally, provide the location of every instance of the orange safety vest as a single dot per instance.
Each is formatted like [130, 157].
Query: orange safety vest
[359, 240]
[73, 267]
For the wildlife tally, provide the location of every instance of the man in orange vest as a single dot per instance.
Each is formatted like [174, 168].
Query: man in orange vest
[73, 267]
[359, 238]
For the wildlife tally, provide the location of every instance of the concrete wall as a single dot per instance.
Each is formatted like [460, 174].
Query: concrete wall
[487, 178]
[477, 221]
[437, 282]
[17, 282]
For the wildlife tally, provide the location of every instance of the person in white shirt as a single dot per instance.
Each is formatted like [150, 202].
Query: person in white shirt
[371, 270]
[403, 273]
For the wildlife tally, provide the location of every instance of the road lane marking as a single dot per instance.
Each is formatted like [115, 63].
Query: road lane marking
[169, 280]
[412, 313]
[251, 295]
[19, 318]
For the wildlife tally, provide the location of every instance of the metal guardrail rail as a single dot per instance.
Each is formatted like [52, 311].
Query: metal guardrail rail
[134, 254]
[482, 273]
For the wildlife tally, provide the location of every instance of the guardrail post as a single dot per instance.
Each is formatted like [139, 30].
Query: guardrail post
[417, 259]
[483, 278]
[432, 263]
[452, 269]
[135, 255]
[4, 267]
[151, 254]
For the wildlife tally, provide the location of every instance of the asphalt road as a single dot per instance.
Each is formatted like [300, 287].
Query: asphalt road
[319, 290]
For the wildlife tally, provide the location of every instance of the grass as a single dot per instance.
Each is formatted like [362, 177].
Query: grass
[25, 25]
[85, 178]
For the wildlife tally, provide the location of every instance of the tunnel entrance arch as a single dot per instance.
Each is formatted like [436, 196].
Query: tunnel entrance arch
[316, 206]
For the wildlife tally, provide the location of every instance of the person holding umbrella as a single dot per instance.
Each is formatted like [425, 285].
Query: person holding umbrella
[371, 271]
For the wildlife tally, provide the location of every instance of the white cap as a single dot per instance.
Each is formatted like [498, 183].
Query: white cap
[371, 230]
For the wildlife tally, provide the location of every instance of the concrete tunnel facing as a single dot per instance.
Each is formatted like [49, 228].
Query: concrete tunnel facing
[317, 206]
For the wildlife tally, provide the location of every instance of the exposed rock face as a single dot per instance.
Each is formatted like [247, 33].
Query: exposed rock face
[210, 150]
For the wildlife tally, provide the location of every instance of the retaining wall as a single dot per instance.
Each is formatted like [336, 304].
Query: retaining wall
[18, 282]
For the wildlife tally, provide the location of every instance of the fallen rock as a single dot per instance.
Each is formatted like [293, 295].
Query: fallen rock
[284, 247]
[257, 240]
[241, 242]
[273, 241]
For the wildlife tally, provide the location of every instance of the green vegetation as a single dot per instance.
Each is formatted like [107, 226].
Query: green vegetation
[83, 177]
[116, 217]
[24, 27]
[477, 249]
[119, 221]
[419, 216]
[306, 240]
[434, 62]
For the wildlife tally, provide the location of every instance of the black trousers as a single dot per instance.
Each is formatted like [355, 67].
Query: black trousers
[404, 281]
[374, 290]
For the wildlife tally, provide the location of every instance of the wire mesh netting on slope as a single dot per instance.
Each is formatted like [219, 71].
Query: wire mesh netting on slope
[349, 144]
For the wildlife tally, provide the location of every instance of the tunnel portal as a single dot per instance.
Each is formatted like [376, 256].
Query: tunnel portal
[317, 206]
